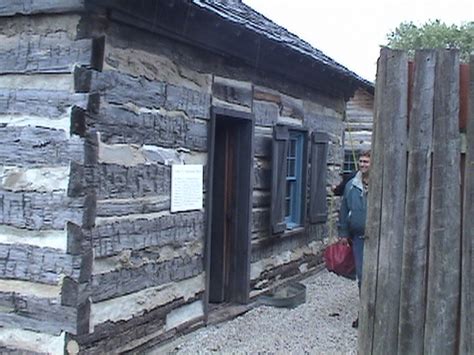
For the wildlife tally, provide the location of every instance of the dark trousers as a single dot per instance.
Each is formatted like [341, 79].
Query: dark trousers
[358, 252]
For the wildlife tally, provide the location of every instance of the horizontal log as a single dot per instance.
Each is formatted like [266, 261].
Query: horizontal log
[233, 91]
[131, 279]
[46, 103]
[43, 265]
[119, 88]
[40, 210]
[50, 53]
[263, 146]
[261, 220]
[261, 199]
[266, 113]
[324, 123]
[170, 130]
[13, 7]
[124, 207]
[38, 314]
[35, 146]
[111, 236]
[263, 178]
[112, 337]
[116, 181]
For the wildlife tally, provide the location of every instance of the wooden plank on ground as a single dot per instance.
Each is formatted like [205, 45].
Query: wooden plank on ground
[467, 274]
[371, 247]
[415, 242]
[393, 204]
[442, 312]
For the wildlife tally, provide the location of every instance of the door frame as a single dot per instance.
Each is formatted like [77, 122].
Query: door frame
[241, 291]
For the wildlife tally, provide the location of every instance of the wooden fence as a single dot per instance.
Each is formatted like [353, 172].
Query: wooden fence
[418, 285]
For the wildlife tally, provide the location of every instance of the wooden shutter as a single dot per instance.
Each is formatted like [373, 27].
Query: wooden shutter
[317, 199]
[279, 155]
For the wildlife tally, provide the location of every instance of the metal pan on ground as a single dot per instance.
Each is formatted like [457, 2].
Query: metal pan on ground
[286, 296]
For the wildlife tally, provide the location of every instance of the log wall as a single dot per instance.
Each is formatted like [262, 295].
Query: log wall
[85, 191]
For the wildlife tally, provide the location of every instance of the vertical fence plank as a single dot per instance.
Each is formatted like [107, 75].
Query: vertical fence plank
[467, 279]
[372, 230]
[417, 211]
[393, 205]
[444, 242]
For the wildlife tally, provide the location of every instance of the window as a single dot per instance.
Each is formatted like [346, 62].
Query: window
[350, 164]
[290, 181]
[294, 176]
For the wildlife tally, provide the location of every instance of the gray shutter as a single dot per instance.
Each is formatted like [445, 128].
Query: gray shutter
[318, 212]
[279, 154]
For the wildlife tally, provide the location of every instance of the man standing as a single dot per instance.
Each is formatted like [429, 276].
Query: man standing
[353, 214]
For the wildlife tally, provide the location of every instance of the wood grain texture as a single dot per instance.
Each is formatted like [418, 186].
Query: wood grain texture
[29, 7]
[415, 241]
[445, 236]
[36, 147]
[119, 234]
[467, 282]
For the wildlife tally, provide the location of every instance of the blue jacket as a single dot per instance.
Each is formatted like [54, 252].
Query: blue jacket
[353, 209]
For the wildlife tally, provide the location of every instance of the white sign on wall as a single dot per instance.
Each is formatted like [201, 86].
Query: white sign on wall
[186, 187]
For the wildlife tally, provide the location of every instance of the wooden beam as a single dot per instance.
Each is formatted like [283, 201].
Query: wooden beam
[30, 7]
[442, 312]
[417, 213]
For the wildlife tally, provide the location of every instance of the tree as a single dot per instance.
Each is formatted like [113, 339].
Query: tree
[433, 34]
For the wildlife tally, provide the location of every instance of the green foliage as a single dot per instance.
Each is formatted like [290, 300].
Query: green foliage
[433, 34]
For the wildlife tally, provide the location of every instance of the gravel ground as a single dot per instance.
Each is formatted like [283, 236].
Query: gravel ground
[321, 325]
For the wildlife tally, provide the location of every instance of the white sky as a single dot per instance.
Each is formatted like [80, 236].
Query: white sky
[351, 32]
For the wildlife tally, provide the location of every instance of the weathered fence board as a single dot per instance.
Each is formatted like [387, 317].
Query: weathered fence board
[444, 243]
[393, 204]
[467, 281]
[35, 146]
[417, 212]
[374, 205]
[119, 234]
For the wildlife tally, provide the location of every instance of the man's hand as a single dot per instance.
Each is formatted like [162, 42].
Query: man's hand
[344, 240]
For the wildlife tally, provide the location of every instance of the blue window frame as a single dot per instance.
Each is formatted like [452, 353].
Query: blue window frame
[350, 165]
[294, 177]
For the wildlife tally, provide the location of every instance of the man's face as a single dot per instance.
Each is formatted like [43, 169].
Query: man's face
[364, 164]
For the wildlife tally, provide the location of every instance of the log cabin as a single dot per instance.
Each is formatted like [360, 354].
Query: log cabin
[159, 159]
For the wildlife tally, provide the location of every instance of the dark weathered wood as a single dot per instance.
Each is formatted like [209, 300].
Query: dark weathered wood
[442, 313]
[116, 181]
[119, 88]
[233, 92]
[263, 178]
[123, 207]
[28, 7]
[129, 279]
[318, 210]
[372, 231]
[35, 146]
[117, 235]
[111, 337]
[40, 210]
[52, 53]
[266, 113]
[417, 211]
[195, 104]
[44, 103]
[263, 146]
[262, 199]
[46, 315]
[30, 263]
[119, 125]
[280, 148]
[466, 342]
[393, 204]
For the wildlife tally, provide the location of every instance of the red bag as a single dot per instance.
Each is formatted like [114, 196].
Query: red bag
[339, 259]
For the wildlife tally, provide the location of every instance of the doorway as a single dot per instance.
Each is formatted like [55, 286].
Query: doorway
[230, 205]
